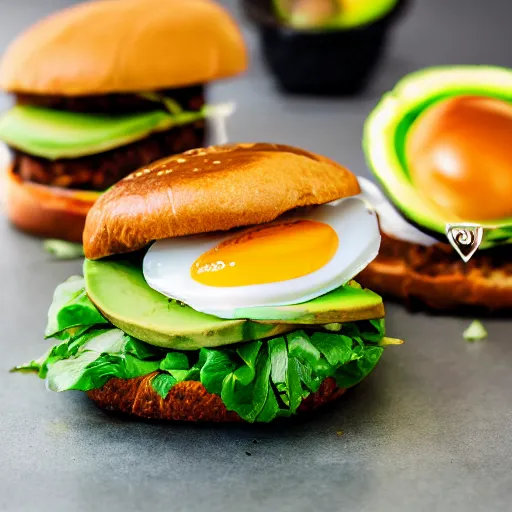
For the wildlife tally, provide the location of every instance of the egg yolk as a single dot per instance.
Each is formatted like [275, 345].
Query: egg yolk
[267, 255]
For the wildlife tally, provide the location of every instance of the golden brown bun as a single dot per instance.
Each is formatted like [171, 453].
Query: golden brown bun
[186, 401]
[49, 212]
[212, 189]
[437, 278]
[459, 151]
[108, 46]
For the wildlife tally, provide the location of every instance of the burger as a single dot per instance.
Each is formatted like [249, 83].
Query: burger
[218, 286]
[439, 144]
[100, 89]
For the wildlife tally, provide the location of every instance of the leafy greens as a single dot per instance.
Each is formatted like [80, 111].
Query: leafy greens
[259, 380]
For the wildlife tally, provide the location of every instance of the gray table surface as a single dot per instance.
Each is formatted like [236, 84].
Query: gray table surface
[429, 430]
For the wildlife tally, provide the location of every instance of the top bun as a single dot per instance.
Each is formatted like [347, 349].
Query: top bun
[111, 46]
[212, 189]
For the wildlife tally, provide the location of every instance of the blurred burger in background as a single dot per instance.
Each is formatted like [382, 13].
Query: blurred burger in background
[101, 89]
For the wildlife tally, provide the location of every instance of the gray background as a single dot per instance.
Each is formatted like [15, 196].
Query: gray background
[429, 430]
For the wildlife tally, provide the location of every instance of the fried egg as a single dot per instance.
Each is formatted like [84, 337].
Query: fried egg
[292, 260]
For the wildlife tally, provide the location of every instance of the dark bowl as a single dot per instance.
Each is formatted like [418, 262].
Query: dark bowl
[331, 62]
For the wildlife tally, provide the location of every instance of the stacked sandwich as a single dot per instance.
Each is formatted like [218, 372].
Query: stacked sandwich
[218, 286]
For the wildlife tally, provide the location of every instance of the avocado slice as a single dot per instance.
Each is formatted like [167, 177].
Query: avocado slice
[119, 291]
[55, 134]
[348, 303]
[387, 127]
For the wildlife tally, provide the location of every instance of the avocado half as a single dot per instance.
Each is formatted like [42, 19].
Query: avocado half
[346, 14]
[387, 127]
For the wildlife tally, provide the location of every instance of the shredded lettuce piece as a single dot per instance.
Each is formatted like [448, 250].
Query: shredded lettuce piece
[62, 250]
[260, 380]
[475, 331]
[171, 105]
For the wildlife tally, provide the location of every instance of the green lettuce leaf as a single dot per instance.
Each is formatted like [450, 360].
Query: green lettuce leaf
[88, 360]
[218, 364]
[71, 308]
[259, 380]
[278, 354]
[163, 383]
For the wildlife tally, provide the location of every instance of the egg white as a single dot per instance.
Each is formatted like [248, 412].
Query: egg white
[391, 222]
[167, 264]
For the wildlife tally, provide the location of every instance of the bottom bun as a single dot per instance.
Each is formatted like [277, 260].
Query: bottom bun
[436, 277]
[49, 212]
[186, 401]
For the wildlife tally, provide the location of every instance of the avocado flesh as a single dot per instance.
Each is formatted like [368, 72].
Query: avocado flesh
[54, 134]
[119, 291]
[346, 13]
[387, 127]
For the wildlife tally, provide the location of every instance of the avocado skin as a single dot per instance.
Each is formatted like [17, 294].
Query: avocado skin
[119, 291]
